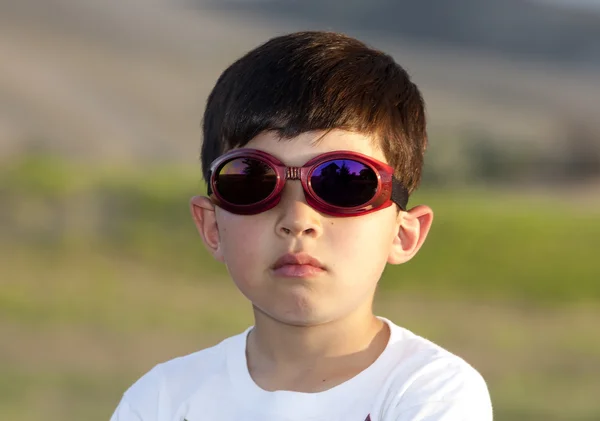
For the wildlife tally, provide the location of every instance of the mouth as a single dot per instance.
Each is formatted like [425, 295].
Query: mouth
[300, 265]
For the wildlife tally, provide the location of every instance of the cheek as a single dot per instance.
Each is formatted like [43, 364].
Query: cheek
[365, 242]
[243, 240]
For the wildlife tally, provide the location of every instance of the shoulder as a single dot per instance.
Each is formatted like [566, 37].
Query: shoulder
[427, 379]
[169, 384]
[175, 376]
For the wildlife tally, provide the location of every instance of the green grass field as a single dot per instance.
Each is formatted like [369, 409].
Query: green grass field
[103, 276]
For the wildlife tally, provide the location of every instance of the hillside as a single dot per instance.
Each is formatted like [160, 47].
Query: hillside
[127, 80]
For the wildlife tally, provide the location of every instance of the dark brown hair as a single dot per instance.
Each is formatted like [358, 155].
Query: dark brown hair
[309, 81]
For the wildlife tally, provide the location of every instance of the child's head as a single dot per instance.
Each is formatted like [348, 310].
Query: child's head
[292, 100]
[318, 81]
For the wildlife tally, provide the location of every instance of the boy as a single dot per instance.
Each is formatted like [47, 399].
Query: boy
[312, 144]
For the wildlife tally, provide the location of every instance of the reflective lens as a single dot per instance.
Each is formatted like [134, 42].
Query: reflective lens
[344, 182]
[245, 181]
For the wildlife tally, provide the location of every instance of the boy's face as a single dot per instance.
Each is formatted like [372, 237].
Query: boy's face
[352, 251]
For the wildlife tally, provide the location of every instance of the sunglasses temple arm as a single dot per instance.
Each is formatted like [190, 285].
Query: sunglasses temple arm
[208, 187]
[399, 194]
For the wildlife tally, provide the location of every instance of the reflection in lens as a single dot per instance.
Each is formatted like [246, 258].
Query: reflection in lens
[344, 182]
[245, 181]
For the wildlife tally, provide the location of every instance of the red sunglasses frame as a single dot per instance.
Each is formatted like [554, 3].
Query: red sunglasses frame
[389, 189]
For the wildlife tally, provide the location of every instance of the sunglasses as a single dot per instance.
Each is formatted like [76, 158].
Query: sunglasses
[340, 183]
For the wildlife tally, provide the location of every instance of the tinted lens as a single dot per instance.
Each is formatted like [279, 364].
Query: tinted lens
[245, 181]
[344, 182]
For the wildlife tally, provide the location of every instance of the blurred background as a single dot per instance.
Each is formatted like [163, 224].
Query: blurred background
[102, 274]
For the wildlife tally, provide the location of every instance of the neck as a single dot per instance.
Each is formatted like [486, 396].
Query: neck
[286, 346]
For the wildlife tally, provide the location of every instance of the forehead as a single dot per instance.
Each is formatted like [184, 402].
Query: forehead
[300, 149]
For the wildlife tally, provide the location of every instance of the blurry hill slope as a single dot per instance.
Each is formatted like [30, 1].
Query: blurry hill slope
[519, 28]
[127, 80]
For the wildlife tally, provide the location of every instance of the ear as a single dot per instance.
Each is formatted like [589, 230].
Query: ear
[413, 227]
[203, 212]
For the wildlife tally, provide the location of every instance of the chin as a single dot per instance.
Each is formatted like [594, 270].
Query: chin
[294, 316]
[303, 317]
[298, 306]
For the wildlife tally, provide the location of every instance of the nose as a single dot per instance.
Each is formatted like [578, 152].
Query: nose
[295, 217]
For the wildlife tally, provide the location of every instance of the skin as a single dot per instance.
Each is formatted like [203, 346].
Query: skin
[311, 334]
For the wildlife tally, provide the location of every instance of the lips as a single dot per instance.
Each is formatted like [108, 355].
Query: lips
[300, 265]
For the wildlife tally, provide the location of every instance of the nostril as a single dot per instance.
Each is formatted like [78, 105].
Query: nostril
[308, 231]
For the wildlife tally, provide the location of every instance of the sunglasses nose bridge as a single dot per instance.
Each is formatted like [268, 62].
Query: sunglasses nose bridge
[292, 173]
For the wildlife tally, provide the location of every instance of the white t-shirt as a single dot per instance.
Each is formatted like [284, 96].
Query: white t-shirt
[412, 380]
